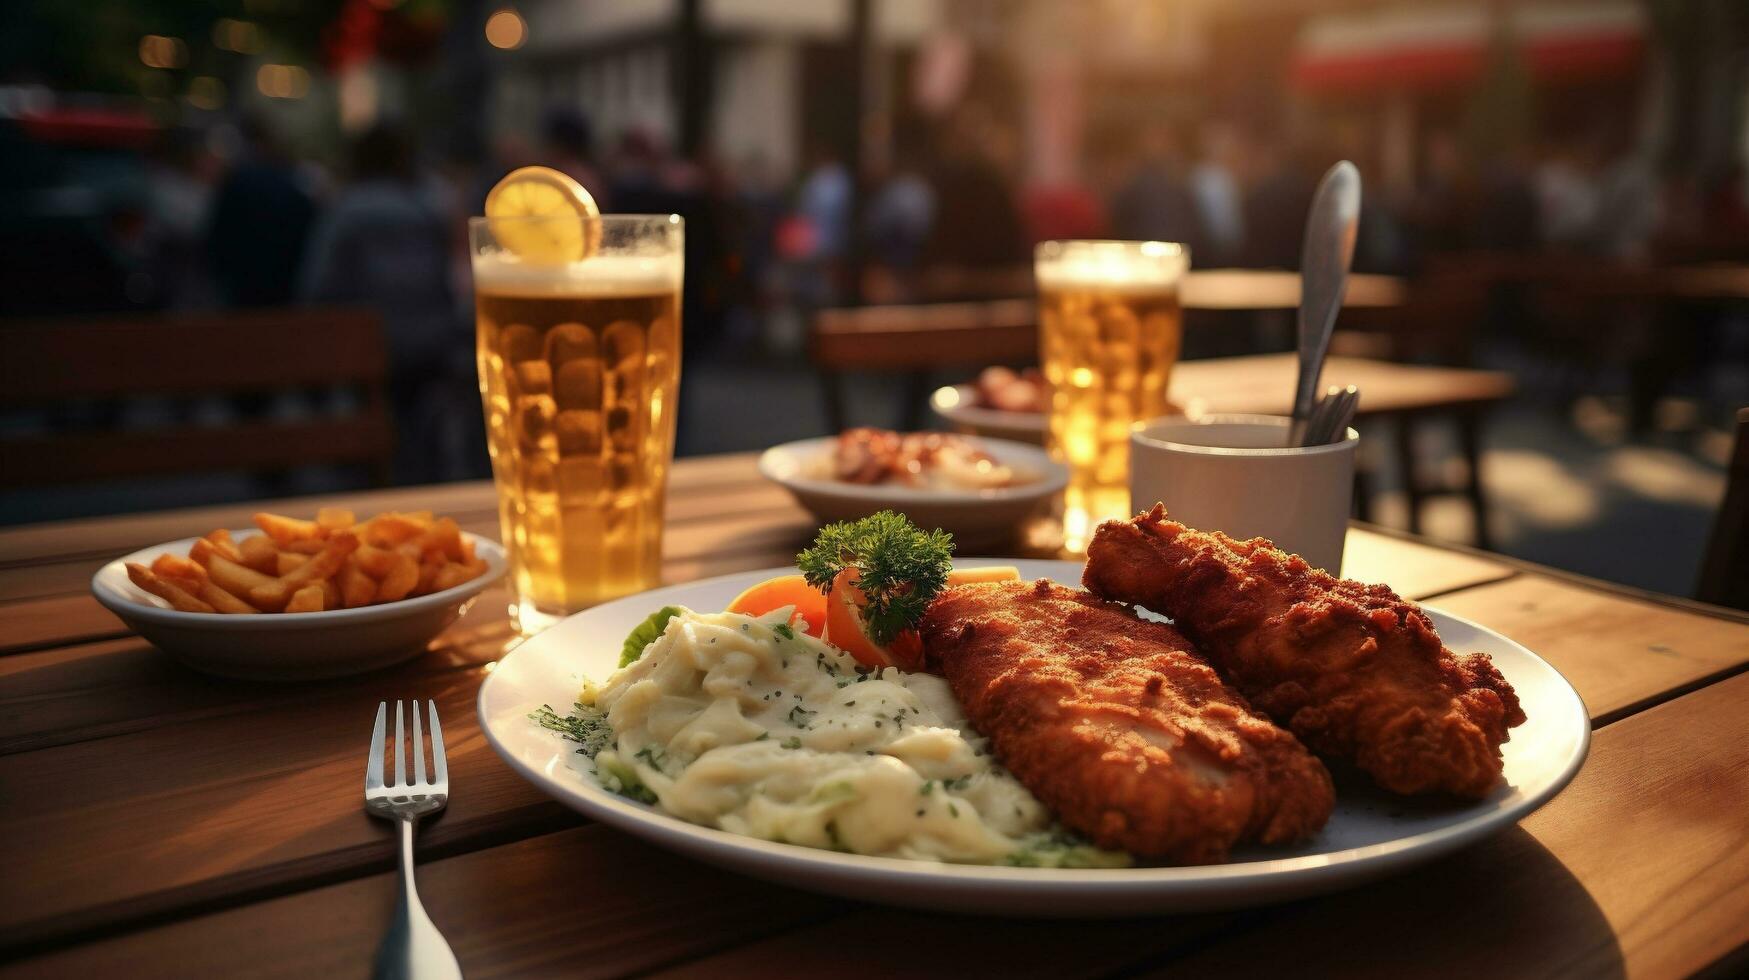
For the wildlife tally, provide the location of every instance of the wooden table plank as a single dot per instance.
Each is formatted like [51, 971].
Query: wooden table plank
[1640, 868]
[1547, 898]
[1264, 383]
[585, 902]
[1621, 655]
[108, 831]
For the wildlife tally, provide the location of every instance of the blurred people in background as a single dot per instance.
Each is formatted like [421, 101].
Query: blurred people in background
[1275, 210]
[569, 147]
[179, 197]
[1155, 202]
[897, 224]
[977, 223]
[1220, 203]
[385, 243]
[261, 219]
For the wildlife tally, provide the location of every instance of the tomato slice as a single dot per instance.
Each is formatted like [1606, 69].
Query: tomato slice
[846, 630]
[786, 590]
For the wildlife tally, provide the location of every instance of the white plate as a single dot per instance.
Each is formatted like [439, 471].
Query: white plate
[1371, 833]
[973, 517]
[288, 646]
[958, 404]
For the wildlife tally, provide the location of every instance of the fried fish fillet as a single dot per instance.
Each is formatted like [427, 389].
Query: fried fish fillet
[1115, 724]
[1353, 670]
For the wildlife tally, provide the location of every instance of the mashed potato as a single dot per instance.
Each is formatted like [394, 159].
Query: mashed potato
[744, 724]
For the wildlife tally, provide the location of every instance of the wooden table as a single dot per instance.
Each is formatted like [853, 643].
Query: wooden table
[161, 823]
[1276, 289]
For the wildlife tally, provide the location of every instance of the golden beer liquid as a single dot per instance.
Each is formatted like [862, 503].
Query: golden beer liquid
[1107, 354]
[579, 393]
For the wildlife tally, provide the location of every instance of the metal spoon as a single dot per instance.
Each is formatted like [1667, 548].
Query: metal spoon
[1324, 261]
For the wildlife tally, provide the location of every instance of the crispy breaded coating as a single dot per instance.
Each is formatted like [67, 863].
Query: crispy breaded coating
[1353, 670]
[1115, 724]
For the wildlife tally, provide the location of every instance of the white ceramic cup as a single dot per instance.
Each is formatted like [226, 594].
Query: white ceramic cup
[1235, 473]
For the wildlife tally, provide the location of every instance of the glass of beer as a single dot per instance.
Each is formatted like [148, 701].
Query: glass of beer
[579, 363]
[1109, 332]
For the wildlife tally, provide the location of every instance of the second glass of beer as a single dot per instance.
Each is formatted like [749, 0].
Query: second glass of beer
[579, 371]
[1110, 327]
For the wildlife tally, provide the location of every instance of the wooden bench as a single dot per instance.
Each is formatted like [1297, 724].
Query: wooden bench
[49, 363]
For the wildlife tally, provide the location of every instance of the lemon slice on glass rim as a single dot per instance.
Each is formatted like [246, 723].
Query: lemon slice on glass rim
[544, 217]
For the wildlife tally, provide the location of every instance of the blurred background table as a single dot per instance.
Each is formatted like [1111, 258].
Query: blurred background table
[166, 824]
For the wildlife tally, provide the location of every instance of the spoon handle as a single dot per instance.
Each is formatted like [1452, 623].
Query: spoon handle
[1324, 261]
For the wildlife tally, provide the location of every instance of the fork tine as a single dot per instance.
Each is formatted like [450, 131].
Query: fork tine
[439, 763]
[418, 748]
[373, 770]
[400, 747]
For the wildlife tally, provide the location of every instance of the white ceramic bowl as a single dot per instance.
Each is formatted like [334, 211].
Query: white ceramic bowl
[973, 517]
[958, 404]
[288, 646]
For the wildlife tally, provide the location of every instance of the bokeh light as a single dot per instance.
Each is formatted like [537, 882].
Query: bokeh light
[506, 29]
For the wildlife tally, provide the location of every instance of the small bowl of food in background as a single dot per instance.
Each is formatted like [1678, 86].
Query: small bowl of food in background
[1000, 404]
[301, 600]
[980, 490]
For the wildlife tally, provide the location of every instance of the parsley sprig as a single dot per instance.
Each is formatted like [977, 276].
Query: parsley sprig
[899, 568]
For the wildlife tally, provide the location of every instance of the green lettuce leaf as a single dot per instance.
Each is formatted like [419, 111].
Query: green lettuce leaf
[646, 634]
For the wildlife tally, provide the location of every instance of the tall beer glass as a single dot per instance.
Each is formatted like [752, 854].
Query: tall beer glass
[1109, 332]
[579, 368]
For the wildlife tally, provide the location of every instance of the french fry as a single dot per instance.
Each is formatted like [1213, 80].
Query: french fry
[389, 529]
[452, 575]
[428, 570]
[332, 562]
[445, 538]
[175, 566]
[284, 529]
[306, 599]
[376, 562]
[223, 601]
[257, 552]
[170, 592]
[220, 541]
[234, 578]
[402, 576]
[356, 587]
[275, 594]
[335, 518]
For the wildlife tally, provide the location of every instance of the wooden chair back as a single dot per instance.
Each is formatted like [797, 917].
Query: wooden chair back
[1724, 572]
[915, 340]
[49, 363]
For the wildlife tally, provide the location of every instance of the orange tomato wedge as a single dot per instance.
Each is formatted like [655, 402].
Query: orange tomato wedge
[786, 590]
[846, 629]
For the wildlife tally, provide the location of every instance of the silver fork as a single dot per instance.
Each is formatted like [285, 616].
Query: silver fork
[413, 948]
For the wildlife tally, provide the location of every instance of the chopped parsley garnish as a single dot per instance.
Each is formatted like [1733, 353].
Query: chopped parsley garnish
[585, 725]
[793, 742]
[784, 630]
[799, 716]
[899, 568]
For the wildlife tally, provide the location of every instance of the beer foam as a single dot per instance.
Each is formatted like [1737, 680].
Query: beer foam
[596, 276]
[1113, 266]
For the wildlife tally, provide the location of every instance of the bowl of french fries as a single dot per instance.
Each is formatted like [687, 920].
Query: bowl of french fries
[297, 599]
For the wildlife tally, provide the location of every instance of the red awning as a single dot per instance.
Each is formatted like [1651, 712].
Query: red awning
[1434, 48]
[90, 127]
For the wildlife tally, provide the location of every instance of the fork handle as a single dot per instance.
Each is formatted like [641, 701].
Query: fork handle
[413, 949]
